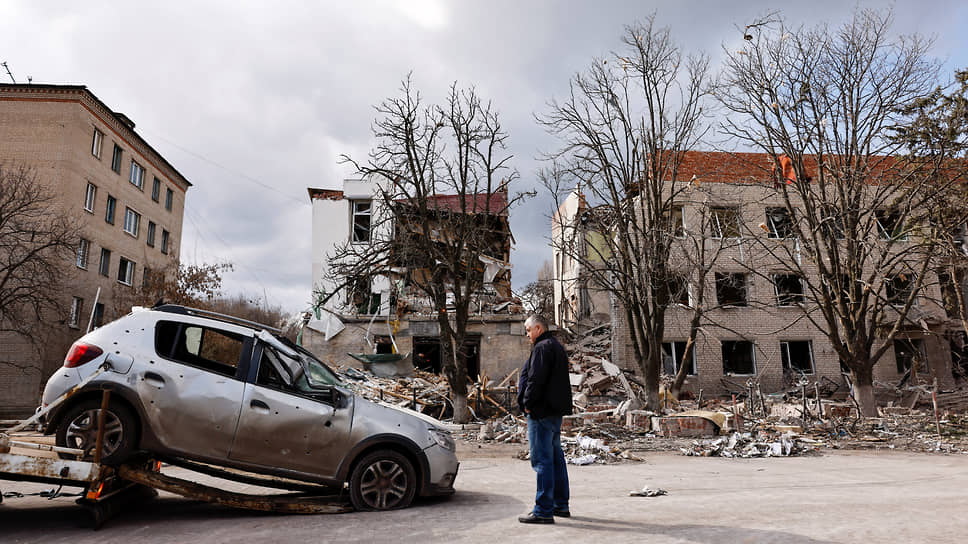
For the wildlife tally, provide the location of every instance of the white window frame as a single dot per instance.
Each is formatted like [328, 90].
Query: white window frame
[354, 212]
[132, 222]
[83, 252]
[90, 196]
[137, 175]
[77, 308]
[126, 265]
[785, 352]
[752, 357]
[150, 235]
[776, 291]
[677, 357]
[97, 144]
[720, 227]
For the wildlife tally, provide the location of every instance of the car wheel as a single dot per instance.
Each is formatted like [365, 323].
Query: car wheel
[383, 480]
[78, 430]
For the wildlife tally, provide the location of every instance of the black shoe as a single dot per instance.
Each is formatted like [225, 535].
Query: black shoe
[531, 518]
[561, 513]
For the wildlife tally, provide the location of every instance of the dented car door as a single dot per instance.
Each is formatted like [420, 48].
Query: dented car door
[282, 425]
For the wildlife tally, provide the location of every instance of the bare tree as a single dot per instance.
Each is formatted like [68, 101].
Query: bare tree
[37, 242]
[443, 177]
[538, 296]
[625, 127]
[821, 103]
[195, 285]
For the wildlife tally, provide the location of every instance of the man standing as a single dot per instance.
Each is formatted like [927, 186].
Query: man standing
[544, 394]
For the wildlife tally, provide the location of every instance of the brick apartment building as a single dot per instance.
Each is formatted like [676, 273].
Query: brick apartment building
[760, 333]
[127, 199]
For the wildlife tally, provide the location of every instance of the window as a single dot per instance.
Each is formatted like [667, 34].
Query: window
[672, 353]
[738, 357]
[899, 288]
[677, 291]
[77, 308]
[116, 159]
[125, 271]
[155, 189]
[908, 354]
[105, 267]
[779, 223]
[210, 349]
[889, 225]
[98, 318]
[949, 296]
[97, 143]
[797, 356]
[109, 209]
[789, 289]
[164, 241]
[145, 276]
[132, 222]
[677, 223]
[89, 196]
[361, 221]
[731, 289]
[169, 196]
[833, 222]
[83, 249]
[150, 236]
[137, 177]
[725, 222]
[361, 297]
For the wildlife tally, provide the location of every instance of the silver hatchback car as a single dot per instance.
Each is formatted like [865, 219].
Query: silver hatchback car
[192, 384]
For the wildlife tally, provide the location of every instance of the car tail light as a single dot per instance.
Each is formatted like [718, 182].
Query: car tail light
[80, 354]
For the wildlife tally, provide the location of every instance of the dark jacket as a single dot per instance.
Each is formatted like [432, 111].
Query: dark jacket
[543, 387]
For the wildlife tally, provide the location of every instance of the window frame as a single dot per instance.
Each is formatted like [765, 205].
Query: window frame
[83, 253]
[198, 360]
[916, 344]
[110, 207]
[721, 279]
[895, 294]
[718, 214]
[356, 212]
[117, 156]
[127, 266]
[90, 197]
[889, 225]
[97, 143]
[780, 297]
[169, 198]
[164, 241]
[675, 356]
[786, 361]
[104, 265]
[155, 188]
[150, 234]
[136, 175]
[777, 230]
[132, 222]
[77, 308]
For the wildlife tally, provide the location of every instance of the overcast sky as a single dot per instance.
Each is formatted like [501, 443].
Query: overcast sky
[255, 101]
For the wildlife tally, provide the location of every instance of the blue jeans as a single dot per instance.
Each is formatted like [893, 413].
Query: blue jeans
[548, 460]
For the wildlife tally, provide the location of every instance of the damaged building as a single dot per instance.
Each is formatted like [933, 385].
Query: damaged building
[384, 312]
[755, 308]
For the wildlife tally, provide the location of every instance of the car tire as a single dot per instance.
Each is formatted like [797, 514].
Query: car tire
[383, 480]
[78, 429]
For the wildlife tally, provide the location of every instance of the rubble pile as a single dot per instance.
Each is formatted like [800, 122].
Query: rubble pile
[747, 445]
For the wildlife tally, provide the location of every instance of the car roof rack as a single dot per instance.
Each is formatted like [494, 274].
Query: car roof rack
[185, 310]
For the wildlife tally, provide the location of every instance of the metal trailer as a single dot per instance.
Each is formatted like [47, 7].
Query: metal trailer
[105, 489]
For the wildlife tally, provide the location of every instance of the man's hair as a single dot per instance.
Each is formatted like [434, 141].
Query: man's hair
[536, 319]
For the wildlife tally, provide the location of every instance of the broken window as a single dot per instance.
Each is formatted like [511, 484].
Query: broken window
[949, 296]
[676, 290]
[889, 225]
[789, 289]
[738, 357]
[672, 353]
[676, 222]
[725, 222]
[797, 356]
[731, 289]
[909, 354]
[360, 296]
[899, 288]
[833, 222]
[779, 223]
[361, 221]
[958, 341]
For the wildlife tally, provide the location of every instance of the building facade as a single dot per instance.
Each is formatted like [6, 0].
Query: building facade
[754, 327]
[126, 198]
[385, 313]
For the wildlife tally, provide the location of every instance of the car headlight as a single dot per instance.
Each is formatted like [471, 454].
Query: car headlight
[442, 438]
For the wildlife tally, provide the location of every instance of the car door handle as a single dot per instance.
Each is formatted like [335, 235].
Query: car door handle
[154, 379]
[259, 406]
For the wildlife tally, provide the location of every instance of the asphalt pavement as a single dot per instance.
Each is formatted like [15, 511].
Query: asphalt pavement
[837, 497]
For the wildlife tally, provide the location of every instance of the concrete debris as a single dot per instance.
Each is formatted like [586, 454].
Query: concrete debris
[745, 445]
[648, 492]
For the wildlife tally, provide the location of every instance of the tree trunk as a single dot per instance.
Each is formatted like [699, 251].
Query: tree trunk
[864, 388]
[461, 413]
